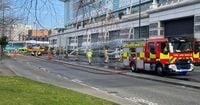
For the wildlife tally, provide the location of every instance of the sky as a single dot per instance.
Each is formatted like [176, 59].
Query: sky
[50, 14]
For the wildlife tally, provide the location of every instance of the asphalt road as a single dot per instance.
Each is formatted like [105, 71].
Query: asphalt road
[144, 92]
[191, 76]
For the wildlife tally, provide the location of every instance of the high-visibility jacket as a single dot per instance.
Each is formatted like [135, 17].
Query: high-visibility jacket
[89, 54]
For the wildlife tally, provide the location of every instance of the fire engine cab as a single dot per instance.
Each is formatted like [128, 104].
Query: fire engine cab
[196, 53]
[160, 54]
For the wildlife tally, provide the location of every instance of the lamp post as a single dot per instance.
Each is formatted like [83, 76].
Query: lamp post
[139, 19]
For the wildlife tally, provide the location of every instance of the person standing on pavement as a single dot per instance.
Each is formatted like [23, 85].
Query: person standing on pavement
[89, 54]
[121, 53]
[106, 55]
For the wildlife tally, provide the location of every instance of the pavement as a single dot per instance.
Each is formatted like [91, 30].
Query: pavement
[192, 80]
[5, 71]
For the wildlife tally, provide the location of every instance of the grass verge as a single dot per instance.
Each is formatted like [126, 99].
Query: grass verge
[21, 91]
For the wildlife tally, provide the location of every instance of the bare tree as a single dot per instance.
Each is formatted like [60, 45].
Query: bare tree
[33, 10]
[7, 18]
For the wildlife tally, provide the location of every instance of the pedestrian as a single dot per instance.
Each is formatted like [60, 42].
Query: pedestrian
[89, 54]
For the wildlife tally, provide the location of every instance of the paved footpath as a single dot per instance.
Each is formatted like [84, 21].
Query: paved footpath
[5, 71]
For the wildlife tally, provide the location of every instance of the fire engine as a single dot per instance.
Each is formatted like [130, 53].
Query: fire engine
[159, 54]
[196, 53]
[35, 50]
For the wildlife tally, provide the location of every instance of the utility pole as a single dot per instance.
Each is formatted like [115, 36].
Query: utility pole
[139, 18]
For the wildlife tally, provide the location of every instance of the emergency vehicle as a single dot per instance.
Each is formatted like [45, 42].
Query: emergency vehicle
[36, 50]
[196, 53]
[159, 54]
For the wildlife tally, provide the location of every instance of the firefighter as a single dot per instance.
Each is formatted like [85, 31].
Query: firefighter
[164, 47]
[121, 53]
[106, 57]
[89, 54]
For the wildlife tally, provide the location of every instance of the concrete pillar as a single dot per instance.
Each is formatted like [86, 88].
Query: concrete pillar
[197, 26]
[128, 10]
[156, 29]
[155, 4]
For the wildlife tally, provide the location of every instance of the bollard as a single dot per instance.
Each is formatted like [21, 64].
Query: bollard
[49, 56]
[14, 54]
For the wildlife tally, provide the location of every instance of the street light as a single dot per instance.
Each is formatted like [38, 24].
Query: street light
[139, 19]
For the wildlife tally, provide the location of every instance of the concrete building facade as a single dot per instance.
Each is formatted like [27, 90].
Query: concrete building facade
[19, 32]
[121, 19]
[38, 35]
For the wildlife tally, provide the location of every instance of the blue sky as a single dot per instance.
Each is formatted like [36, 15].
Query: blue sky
[56, 19]
[45, 13]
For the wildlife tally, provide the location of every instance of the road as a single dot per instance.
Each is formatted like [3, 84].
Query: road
[144, 92]
[191, 76]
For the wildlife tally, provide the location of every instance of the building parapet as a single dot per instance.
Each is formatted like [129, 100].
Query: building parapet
[173, 5]
[112, 21]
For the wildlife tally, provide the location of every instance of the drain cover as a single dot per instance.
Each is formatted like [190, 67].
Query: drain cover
[113, 92]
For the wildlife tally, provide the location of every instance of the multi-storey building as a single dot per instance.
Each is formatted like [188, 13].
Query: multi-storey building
[38, 35]
[89, 21]
[19, 32]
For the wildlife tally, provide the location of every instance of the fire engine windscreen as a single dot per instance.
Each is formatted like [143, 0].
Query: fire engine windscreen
[197, 47]
[180, 46]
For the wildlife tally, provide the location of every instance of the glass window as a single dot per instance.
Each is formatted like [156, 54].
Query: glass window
[152, 48]
[144, 32]
[164, 47]
[181, 46]
[197, 47]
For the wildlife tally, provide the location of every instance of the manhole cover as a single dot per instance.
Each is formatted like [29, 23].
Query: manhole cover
[113, 92]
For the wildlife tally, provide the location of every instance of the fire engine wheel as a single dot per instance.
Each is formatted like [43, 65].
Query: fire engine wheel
[133, 68]
[159, 70]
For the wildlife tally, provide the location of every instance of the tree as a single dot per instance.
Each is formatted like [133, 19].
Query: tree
[33, 10]
[7, 17]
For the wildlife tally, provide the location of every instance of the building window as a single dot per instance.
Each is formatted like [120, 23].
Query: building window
[144, 7]
[114, 34]
[144, 32]
[164, 2]
[197, 19]
[80, 41]
[197, 28]
[94, 37]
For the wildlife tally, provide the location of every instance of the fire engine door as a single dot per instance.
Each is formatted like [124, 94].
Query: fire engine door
[140, 59]
[150, 56]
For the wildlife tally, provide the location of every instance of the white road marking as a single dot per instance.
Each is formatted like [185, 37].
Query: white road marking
[59, 75]
[76, 80]
[139, 100]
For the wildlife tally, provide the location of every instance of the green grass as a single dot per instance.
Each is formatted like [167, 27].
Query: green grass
[20, 91]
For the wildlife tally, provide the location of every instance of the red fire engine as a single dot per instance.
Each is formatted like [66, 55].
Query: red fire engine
[160, 55]
[196, 53]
